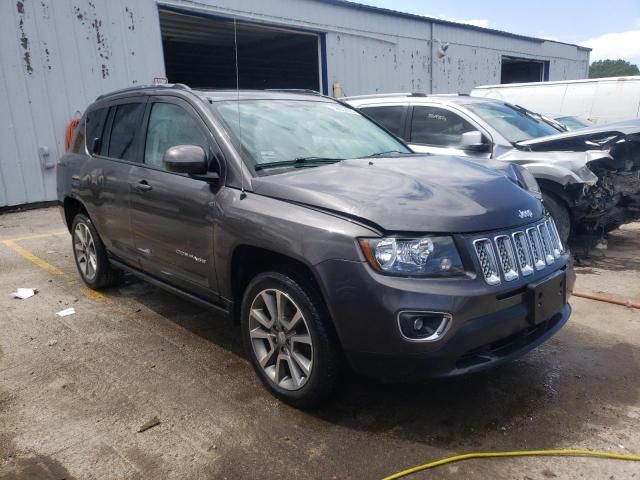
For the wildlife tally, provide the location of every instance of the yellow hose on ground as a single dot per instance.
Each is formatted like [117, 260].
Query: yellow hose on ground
[529, 453]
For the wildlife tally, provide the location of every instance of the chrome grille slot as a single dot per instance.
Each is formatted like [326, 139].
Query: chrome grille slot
[555, 238]
[536, 248]
[487, 259]
[506, 257]
[523, 253]
[546, 243]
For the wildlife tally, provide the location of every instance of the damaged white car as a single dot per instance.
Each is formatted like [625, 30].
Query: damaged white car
[590, 178]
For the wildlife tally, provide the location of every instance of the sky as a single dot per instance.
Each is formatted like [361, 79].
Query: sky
[611, 28]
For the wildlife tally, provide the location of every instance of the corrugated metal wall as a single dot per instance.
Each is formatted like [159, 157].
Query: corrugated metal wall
[56, 56]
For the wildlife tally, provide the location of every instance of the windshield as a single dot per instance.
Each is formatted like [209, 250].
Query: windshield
[303, 133]
[512, 123]
[573, 123]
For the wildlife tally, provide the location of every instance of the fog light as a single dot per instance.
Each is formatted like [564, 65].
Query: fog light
[423, 326]
[418, 323]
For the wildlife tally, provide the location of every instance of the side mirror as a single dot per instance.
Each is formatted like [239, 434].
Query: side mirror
[474, 142]
[189, 159]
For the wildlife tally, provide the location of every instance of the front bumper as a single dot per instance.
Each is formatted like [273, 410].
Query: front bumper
[490, 325]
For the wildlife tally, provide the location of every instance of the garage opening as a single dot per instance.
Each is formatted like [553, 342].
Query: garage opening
[521, 70]
[199, 51]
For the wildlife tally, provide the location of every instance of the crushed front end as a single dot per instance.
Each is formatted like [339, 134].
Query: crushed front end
[615, 199]
[598, 169]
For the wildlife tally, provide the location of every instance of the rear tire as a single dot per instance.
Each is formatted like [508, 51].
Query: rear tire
[560, 213]
[91, 256]
[289, 340]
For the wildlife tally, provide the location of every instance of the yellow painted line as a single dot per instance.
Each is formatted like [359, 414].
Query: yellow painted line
[94, 295]
[43, 264]
[37, 235]
[47, 267]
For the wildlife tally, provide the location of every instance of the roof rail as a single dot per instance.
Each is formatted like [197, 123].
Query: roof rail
[304, 91]
[377, 95]
[178, 86]
[386, 95]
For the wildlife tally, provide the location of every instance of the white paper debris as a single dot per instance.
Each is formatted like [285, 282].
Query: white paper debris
[68, 311]
[24, 293]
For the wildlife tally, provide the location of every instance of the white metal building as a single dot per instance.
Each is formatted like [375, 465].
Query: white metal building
[57, 56]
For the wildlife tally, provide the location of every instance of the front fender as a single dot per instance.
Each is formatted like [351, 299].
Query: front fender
[564, 168]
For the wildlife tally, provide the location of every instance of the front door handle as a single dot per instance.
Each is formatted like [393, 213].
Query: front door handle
[142, 186]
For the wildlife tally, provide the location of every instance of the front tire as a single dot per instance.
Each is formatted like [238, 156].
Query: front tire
[289, 340]
[91, 256]
[560, 213]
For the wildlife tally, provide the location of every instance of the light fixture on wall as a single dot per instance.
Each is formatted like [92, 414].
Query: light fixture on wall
[442, 49]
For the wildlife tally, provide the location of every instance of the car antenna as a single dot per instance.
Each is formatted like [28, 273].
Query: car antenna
[235, 42]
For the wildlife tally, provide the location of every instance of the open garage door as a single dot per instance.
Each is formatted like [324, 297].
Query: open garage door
[521, 70]
[199, 51]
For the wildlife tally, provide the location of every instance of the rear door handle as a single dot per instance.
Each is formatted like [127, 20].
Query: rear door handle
[142, 186]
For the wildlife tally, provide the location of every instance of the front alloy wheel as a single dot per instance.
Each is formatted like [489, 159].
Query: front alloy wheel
[280, 339]
[289, 338]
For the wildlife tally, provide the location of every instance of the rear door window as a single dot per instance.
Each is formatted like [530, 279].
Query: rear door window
[126, 123]
[389, 116]
[94, 129]
[437, 126]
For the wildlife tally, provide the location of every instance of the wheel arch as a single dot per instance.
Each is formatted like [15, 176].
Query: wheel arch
[557, 190]
[72, 206]
[247, 261]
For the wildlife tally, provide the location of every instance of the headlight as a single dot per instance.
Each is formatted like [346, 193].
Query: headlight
[525, 179]
[530, 182]
[424, 256]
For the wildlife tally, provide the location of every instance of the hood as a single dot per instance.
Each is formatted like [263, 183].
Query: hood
[435, 194]
[596, 137]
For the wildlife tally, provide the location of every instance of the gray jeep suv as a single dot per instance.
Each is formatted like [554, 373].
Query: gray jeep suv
[332, 244]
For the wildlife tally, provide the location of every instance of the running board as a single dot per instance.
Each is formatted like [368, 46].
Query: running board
[219, 309]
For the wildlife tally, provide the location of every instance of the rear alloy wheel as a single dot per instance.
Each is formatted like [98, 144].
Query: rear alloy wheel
[90, 255]
[290, 340]
[84, 248]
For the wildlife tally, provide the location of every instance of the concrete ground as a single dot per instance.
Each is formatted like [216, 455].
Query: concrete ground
[74, 391]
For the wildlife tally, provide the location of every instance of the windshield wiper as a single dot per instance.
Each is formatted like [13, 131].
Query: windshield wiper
[382, 154]
[297, 162]
[541, 118]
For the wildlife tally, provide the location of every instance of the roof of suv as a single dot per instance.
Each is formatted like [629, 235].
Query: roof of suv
[214, 95]
[415, 98]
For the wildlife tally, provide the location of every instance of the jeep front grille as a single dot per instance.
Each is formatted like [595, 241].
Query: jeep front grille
[556, 243]
[487, 259]
[536, 248]
[523, 253]
[546, 243]
[506, 257]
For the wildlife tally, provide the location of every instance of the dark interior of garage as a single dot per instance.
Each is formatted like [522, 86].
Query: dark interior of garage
[200, 52]
[521, 70]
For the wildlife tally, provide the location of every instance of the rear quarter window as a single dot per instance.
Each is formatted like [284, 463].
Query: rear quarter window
[79, 142]
[94, 129]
